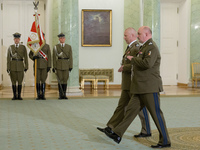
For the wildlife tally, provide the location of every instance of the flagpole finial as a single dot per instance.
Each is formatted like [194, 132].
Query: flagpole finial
[36, 5]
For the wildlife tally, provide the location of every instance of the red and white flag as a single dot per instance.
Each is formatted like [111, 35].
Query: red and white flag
[36, 39]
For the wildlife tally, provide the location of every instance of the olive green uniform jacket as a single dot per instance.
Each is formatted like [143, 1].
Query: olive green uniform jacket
[127, 66]
[62, 57]
[17, 59]
[146, 70]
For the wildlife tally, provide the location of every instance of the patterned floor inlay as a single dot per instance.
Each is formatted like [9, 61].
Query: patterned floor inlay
[187, 138]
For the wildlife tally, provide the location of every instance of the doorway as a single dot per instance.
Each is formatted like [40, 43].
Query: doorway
[18, 17]
[175, 41]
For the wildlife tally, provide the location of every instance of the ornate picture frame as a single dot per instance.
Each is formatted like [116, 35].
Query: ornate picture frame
[96, 27]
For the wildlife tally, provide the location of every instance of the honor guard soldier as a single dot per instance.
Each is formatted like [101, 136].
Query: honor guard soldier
[43, 67]
[62, 64]
[17, 64]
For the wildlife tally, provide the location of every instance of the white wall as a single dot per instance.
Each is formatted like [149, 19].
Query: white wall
[104, 57]
[184, 42]
[1, 36]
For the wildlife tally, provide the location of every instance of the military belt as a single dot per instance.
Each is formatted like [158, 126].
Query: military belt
[17, 59]
[63, 58]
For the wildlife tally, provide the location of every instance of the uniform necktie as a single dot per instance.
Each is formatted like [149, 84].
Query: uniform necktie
[126, 51]
[127, 47]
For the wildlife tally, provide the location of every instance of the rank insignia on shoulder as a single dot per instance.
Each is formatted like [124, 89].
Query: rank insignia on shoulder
[137, 45]
[150, 43]
[149, 53]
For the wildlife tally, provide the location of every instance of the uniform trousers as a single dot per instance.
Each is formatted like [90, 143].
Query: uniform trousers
[152, 103]
[16, 76]
[119, 113]
[41, 75]
[63, 76]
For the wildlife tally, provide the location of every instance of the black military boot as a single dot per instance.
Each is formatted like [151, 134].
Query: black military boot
[60, 92]
[38, 91]
[14, 92]
[19, 92]
[64, 91]
[43, 85]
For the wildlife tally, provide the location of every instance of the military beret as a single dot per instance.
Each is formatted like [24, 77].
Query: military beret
[61, 35]
[17, 35]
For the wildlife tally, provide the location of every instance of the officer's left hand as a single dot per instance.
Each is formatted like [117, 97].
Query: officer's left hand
[48, 69]
[25, 70]
[70, 69]
[120, 69]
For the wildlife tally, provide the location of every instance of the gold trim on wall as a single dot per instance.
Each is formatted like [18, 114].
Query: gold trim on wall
[96, 27]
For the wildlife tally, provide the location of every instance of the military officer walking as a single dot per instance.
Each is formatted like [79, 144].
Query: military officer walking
[130, 36]
[17, 64]
[62, 64]
[43, 67]
[147, 84]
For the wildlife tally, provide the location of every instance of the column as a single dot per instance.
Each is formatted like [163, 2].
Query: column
[152, 18]
[131, 15]
[65, 19]
[194, 31]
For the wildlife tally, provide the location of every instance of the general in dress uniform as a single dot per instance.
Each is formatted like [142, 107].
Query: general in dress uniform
[17, 64]
[130, 36]
[62, 64]
[146, 85]
[43, 67]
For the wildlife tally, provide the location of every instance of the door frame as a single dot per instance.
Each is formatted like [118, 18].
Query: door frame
[1, 38]
[183, 61]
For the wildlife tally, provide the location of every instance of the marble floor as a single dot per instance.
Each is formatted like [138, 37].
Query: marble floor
[28, 92]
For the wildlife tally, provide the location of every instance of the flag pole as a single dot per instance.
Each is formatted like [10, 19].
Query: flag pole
[35, 8]
[36, 41]
[35, 77]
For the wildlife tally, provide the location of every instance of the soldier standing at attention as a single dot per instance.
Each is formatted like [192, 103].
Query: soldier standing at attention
[130, 36]
[17, 64]
[62, 64]
[43, 67]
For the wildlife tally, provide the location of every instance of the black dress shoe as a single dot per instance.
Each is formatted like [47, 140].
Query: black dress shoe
[65, 97]
[108, 129]
[142, 135]
[101, 129]
[161, 146]
[114, 136]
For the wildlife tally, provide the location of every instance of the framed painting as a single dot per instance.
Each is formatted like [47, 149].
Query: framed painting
[96, 27]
